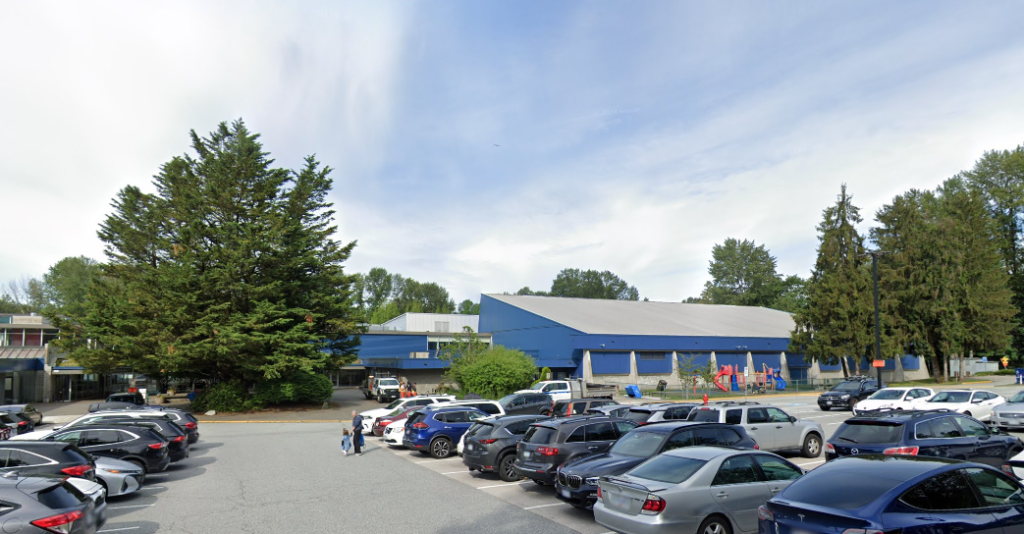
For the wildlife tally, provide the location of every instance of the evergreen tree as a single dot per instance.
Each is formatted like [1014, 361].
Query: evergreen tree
[228, 271]
[743, 274]
[839, 315]
[591, 284]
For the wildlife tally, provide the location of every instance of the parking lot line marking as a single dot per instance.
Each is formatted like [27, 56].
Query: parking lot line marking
[153, 487]
[463, 472]
[503, 485]
[816, 462]
[131, 506]
[116, 529]
[157, 475]
[437, 460]
[544, 506]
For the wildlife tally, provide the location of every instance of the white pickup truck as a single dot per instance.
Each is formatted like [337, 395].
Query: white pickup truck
[569, 389]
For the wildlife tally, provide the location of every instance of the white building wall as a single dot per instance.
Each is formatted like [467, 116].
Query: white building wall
[432, 322]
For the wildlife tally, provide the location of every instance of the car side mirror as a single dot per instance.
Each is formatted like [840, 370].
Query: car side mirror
[792, 419]
[977, 401]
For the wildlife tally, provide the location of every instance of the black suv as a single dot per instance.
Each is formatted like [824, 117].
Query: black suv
[177, 444]
[577, 480]
[46, 458]
[525, 403]
[941, 433]
[552, 443]
[491, 444]
[566, 408]
[139, 445]
[848, 393]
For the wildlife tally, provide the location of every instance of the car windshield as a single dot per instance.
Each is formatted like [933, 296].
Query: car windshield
[1019, 397]
[952, 396]
[847, 386]
[639, 443]
[703, 415]
[854, 492]
[888, 394]
[394, 405]
[667, 468]
[388, 382]
[639, 416]
[507, 400]
[868, 432]
[540, 434]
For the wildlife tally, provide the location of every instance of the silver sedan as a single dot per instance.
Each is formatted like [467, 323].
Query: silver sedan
[703, 490]
[118, 477]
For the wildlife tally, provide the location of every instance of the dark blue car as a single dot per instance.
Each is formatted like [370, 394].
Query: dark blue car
[877, 494]
[435, 431]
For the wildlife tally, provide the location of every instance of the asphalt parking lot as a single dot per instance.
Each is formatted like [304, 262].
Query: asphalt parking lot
[291, 477]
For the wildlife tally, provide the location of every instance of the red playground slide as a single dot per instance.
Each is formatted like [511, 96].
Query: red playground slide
[724, 371]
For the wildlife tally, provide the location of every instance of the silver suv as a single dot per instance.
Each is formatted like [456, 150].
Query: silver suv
[772, 428]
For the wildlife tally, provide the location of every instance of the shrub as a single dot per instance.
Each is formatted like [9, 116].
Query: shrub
[496, 372]
[295, 387]
[544, 373]
[225, 397]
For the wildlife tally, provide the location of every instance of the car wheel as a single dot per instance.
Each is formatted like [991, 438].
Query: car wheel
[715, 524]
[106, 490]
[812, 446]
[380, 398]
[505, 469]
[441, 448]
[141, 465]
[968, 414]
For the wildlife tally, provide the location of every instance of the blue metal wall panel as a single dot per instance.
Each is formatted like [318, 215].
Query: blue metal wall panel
[677, 343]
[609, 363]
[738, 360]
[910, 362]
[21, 364]
[797, 361]
[549, 343]
[664, 365]
[390, 346]
[771, 360]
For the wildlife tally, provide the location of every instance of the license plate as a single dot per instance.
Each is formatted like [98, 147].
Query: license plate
[829, 403]
[565, 493]
[618, 501]
[527, 454]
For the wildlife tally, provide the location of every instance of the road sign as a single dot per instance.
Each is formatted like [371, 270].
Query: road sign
[878, 363]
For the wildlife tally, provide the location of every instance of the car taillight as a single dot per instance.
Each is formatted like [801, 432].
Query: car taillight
[61, 523]
[178, 439]
[486, 441]
[756, 446]
[764, 514]
[830, 448]
[76, 470]
[1008, 469]
[157, 446]
[653, 504]
[420, 426]
[598, 491]
[190, 425]
[547, 451]
[22, 423]
[901, 451]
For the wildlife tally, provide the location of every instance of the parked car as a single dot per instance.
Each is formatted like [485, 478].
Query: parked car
[401, 404]
[394, 433]
[97, 494]
[490, 444]
[177, 444]
[576, 483]
[46, 458]
[869, 494]
[611, 410]
[549, 444]
[917, 433]
[131, 398]
[44, 504]
[977, 404]
[849, 392]
[773, 429]
[185, 420]
[435, 431]
[1009, 414]
[382, 422]
[525, 403]
[489, 407]
[23, 420]
[27, 409]
[138, 445]
[16, 423]
[707, 490]
[566, 408]
[118, 477]
[1015, 466]
[894, 399]
[112, 414]
[663, 411]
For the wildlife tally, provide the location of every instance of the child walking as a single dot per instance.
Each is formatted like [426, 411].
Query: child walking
[346, 441]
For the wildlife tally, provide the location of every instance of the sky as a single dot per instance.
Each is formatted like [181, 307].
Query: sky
[486, 146]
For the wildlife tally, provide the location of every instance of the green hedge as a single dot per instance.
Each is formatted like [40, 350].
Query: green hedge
[299, 387]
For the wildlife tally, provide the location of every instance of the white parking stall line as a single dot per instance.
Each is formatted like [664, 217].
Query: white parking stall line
[503, 485]
[130, 506]
[463, 472]
[157, 475]
[816, 462]
[545, 506]
[115, 530]
[438, 460]
[152, 487]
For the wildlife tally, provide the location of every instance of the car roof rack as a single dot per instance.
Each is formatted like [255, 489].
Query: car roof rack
[737, 403]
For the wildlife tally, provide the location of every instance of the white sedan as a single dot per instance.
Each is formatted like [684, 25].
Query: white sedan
[977, 404]
[394, 432]
[894, 399]
[1015, 466]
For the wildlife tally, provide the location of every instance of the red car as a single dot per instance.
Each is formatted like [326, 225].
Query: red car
[382, 422]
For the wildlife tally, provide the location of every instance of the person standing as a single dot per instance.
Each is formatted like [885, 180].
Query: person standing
[346, 441]
[357, 432]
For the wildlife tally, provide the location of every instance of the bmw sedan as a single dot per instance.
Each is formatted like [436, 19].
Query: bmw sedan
[708, 490]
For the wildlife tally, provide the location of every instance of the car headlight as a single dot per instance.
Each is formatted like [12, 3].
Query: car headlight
[592, 481]
[844, 397]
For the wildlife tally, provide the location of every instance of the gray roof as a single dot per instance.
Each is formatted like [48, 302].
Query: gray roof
[22, 353]
[628, 317]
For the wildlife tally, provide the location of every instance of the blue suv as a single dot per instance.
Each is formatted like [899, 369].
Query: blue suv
[943, 434]
[435, 431]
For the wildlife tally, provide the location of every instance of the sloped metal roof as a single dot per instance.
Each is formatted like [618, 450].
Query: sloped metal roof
[626, 317]
[22, 353]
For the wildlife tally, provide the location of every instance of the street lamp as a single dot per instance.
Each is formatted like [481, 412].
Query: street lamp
[878, 329]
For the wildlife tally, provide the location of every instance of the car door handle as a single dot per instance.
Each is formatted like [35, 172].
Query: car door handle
[753, 428]
[447, 427]
[722, 494]
[780, 426]
[593, 447]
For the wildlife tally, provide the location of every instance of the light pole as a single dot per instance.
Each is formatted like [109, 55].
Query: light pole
[878, 329]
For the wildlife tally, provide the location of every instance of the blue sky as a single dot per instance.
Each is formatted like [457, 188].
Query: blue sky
[633, 137]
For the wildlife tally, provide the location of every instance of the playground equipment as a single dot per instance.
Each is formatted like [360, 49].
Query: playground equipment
[768, 379]
[734, 378]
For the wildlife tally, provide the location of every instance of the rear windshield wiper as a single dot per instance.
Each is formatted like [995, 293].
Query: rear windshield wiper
[848, 439]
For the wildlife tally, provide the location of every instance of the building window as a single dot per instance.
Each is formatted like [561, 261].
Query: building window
[440, 326]
[431, 345]
[651, 355]
[419, 355]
